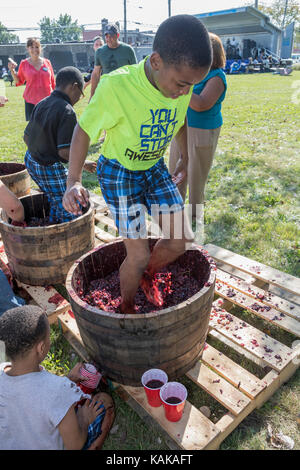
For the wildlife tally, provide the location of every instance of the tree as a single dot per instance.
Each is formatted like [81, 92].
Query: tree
[61, 30]
[6, 37]
[282, 12]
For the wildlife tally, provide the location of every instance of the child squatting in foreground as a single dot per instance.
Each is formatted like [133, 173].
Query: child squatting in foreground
[39, 410]
[142, 107]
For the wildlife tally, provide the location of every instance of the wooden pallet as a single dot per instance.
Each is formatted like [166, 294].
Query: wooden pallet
[261, 291]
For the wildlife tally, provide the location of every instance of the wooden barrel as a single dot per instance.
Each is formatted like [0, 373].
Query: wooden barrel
[125, 346]
[16, 178]
[41, 256]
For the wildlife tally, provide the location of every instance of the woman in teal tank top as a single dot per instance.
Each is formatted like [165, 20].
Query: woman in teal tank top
[204, 124]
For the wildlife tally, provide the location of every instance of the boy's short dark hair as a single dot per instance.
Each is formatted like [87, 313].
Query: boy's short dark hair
[183, 39]
[69, 75]
[21, 328]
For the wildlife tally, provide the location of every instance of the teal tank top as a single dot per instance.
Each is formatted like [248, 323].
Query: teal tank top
[212, 118]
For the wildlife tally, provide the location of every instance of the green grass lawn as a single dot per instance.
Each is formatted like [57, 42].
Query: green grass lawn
[252, 208]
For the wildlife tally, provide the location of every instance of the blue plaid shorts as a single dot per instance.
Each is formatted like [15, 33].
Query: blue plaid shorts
[130, 194]
[94, 429]
[52, 181]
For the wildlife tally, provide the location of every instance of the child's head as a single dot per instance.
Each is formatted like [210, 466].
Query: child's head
[182, 55]
[70, 81]
[24, 328]
[219, 56]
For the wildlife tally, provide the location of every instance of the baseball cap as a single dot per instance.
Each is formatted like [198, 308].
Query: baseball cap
[111, 29]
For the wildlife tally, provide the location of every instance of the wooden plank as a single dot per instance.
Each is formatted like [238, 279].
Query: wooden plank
[99, 202]
[232, 372]
[266, 297]
[48, 299]
[283, 294]
[225, 393]
[106, 221]
[68, 323]
[148, 420]
[104, 236]
[275, 354]
[235, 272]
[193, 432]
[258, 308]
[78, 348]
[259, 270]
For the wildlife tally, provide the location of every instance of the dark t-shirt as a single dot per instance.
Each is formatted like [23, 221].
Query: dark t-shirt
[111, 59]
[50, 128]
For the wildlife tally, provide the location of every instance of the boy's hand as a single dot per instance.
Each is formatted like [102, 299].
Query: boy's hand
[90, 166]
[12, 65]
[74, 374]
[180, 172]
[90, 410]
[74, 194]
[3, 100]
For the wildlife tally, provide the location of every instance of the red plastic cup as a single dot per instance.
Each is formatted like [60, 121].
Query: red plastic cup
[92, 378]
[153, 393]
[173, 411]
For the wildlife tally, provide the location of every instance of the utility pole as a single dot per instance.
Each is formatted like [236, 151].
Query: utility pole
[284, 15]
[125, 21]
[169, 7]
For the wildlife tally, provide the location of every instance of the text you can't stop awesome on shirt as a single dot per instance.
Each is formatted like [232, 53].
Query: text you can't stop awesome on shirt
[139, 120]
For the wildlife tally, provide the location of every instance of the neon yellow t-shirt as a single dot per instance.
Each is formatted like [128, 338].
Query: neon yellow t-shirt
[139, 120]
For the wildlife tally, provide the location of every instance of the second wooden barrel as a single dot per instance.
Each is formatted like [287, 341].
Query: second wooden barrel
[16, 178]
[41, 256]
[125, 346]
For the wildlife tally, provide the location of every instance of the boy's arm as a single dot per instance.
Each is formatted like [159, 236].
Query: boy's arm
[11, 204]
[180, 172]
[95, 77]
[75, 192]
[88, 165]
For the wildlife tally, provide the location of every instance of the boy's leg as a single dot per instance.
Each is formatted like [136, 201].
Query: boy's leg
[177, 234]
[123, 191]
[131, 271]
[167, 210]
[52, 181]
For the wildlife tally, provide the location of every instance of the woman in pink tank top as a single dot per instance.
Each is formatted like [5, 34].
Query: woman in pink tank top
[38, 74]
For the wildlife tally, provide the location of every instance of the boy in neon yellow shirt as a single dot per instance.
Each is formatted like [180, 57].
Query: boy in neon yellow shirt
[142, 107]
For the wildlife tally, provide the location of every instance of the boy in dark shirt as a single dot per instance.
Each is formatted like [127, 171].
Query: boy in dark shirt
[48, 138]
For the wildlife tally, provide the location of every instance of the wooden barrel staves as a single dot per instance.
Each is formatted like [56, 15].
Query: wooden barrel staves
[42, 256]
[16, 178]
[125, 346]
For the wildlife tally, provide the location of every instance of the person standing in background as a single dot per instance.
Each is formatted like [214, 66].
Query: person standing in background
[38, 74]
[97, 42]
[204, 124]
[111, 56]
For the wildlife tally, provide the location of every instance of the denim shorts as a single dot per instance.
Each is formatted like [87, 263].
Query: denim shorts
[129, 194]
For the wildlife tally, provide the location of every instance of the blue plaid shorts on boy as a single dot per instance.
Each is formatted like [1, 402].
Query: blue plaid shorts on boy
[94, 429]
[52, 181]
[130, 194]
